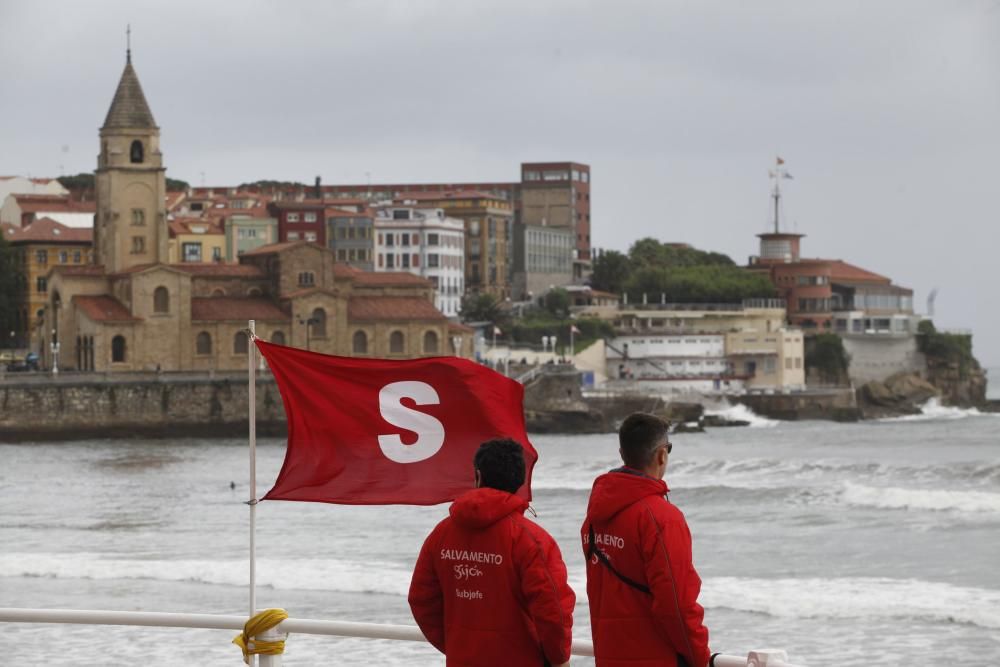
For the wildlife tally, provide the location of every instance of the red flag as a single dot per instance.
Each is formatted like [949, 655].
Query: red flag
[379, 432]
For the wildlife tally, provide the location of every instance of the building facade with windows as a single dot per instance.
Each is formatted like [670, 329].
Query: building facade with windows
[543, 259]
[351, 236]
[244, 233]
[38, 247]
[427, 243]
[196, 240]
[132, 309]
[557, 194]
[300, 220]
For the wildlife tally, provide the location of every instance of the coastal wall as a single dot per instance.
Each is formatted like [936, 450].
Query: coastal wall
[835, 405]
[156, 406]
[879, 357]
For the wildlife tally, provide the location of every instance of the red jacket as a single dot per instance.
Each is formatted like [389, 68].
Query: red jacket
[489, 587]
[646, 540]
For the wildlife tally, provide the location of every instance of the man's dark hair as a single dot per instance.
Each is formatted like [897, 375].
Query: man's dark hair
[500, 463]
[639, 436]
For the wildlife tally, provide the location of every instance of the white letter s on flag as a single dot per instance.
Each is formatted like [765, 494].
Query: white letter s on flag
[430, 431]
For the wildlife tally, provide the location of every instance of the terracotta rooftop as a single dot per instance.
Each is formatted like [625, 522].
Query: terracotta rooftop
[230, 308]
[188, 225]
[273, 248]
[392, 308]
[841, 271]
[455, 327]
[221, 270]
[53, 204]
[129, 109]
[47, 230]
[103, 308]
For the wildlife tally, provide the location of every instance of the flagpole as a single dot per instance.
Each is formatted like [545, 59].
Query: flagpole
[572, 346]
[252, 401]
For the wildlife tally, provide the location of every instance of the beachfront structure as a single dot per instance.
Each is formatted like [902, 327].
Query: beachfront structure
[134, 309]
[427, 243]
[665, 347]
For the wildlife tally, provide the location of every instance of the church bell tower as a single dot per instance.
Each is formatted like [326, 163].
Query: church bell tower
[130, 227]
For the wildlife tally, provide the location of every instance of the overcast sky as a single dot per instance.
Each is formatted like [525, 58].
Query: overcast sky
[887, 113]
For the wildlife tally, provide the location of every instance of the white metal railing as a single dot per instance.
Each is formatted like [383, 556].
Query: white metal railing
[581, 647]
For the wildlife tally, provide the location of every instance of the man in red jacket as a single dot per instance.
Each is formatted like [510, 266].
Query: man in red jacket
[489, 588]
[642, 585]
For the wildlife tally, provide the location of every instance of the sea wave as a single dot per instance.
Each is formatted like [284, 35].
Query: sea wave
[932, 410]
[740, 412]
[855, 598]
[939, 500]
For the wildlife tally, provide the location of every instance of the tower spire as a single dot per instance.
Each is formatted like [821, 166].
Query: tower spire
[128, 43]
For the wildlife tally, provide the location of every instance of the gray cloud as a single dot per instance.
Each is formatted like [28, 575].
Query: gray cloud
[886, 112]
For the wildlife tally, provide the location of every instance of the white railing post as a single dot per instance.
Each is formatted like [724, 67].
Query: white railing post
[271, 635]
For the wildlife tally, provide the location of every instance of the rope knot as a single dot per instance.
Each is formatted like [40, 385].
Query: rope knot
[258, 624]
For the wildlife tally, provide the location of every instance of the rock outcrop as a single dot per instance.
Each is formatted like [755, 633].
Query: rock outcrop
[900, 394]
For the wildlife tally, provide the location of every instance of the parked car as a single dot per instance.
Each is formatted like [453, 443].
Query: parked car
[29, 363]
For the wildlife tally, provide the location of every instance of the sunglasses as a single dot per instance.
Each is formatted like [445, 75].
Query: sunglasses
[669, 446]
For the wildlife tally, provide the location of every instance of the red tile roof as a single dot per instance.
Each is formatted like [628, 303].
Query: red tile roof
[47, 230]
[455, 327]
[841, 271]
[220, 270]
[273, 248]
[103, 308]
[184, 226]
[392, 308]
[230, 308]
[396, 278]
[53, 204]
[80, 269]
[448, 194]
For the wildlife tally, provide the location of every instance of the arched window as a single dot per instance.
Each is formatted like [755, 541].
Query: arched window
[254, 291]
[118, 349]
[218, 291]
[397, 342]
[240, 343]
[431, 342]
[203, 343]
[135, 152]
[161, 300]
[360, 342]
[318, 323]
[278, 338]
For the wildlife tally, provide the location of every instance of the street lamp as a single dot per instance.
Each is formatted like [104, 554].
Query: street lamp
[456, 342]
[55, 353]
[308, 322]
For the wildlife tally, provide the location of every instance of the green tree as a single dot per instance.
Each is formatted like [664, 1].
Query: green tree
[10, 279]
[481, 308]
[176, 185]
[826, 354]
[557, 303]
[611, 271]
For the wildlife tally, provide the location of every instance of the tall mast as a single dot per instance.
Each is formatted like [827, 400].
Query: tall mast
[779, 172]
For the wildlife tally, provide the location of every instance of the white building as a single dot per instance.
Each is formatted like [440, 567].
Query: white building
[21, 185]
[425, 242]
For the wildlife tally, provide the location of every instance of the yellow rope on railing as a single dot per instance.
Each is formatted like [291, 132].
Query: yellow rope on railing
[258, 624]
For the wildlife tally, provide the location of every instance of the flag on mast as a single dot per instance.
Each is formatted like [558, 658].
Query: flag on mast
[780, 161]
[381, 432]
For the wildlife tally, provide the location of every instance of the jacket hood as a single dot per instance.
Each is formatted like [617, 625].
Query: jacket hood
[616, 490]
[484, 507]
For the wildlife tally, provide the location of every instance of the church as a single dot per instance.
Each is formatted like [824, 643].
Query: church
[132, 310]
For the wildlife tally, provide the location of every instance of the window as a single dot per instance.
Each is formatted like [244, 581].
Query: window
[341, 255]
[405, 239]
[135, 155]
[292, 217]
[415, 239]
[318, 323]
[400, 214]
[396, 342]
[381, 260]
[293, 236]
[118, 349]
[138, 217]
[191, 252]
[798, 362]
[41, 256]
[311, 236]
[76, 257]
[433, 260]
[788, 363]
[309, 217]
[390, 240]
[203, 343]
[247, 233]
[240, 343]
[390, 261]
[473, 228]
[63, 257]
[41, 285]
[406, 261]
[307, 278]
[433, 239]
[430, 343]
[216, 254]
[278, 338]
[161, 300]
[416, 261]
[359, 342]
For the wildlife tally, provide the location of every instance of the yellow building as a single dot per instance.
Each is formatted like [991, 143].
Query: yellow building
[196, 240]
[40, 246]
[489, 221]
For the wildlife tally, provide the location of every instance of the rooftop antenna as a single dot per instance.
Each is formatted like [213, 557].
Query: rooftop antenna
[779, 172]
[128, 44]
[930, 303]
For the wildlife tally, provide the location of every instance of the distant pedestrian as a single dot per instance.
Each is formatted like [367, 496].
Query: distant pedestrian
[641, 582]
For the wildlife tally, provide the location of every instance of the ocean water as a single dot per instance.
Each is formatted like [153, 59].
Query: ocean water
[848, 544]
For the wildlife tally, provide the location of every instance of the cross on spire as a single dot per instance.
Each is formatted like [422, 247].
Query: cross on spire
[128, 43]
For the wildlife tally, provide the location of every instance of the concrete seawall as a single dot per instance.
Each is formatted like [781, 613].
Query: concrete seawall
[68, 408]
